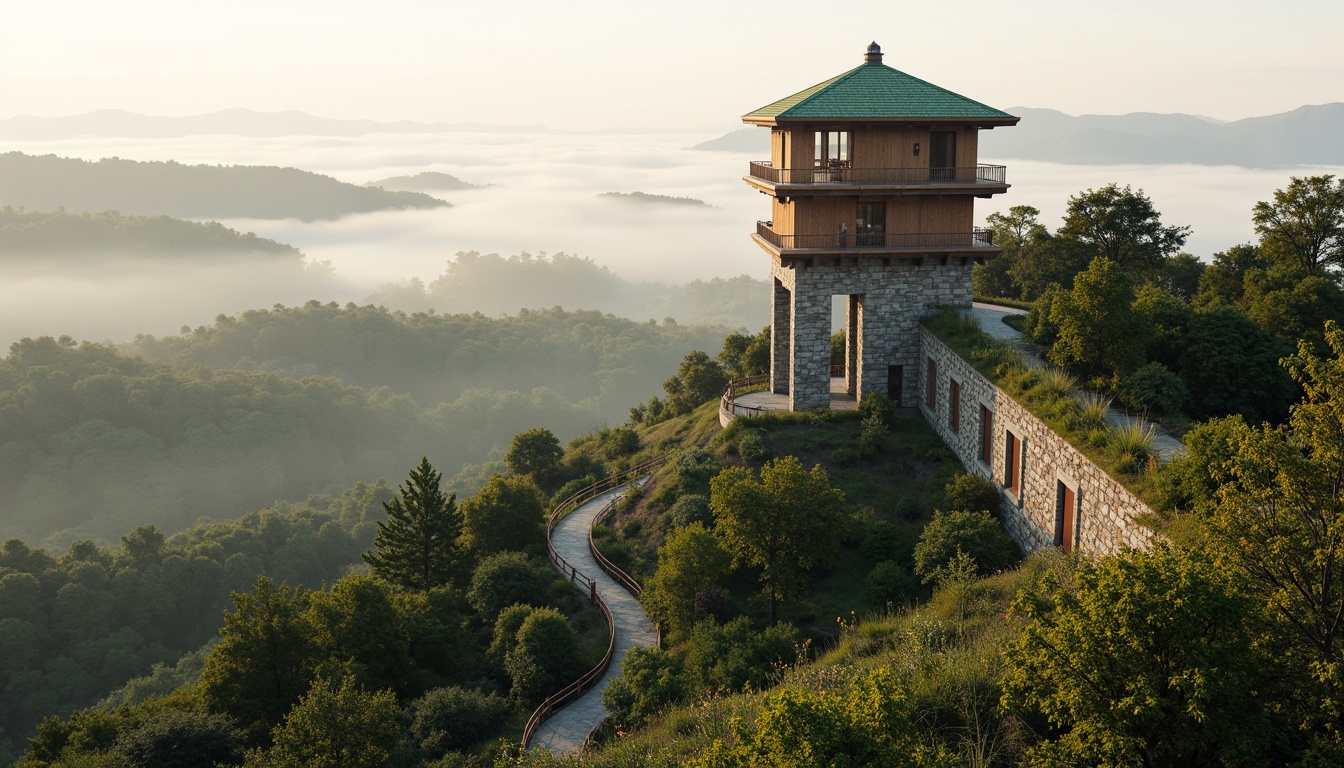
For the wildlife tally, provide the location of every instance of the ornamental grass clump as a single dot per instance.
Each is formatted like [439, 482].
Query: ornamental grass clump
[1092, 407]
[1130, 446]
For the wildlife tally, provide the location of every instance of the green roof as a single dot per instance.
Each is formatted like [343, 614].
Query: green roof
[875, 91]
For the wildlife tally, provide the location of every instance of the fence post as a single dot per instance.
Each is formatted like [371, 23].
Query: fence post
[592, 590]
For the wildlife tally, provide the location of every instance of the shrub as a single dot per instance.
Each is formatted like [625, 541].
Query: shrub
[451, 718]
[889, 582]
[872, 435]
[506, 630]
[733, 656]
[651, 679]
[619, 441]
[885, 541]
[545, 658]
[180, 738]
[968, 492]
[504, 579]
[691, 508]
[750, 446]
[1154, 388]
[844, 457]
[975, 533]
[879, 406]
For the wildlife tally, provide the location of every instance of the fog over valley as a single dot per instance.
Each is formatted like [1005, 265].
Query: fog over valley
[545, 198]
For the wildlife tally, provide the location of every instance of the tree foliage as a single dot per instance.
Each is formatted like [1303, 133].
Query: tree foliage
[417, 546]
[784, 522]
[534, 453]
[690, 561]
[1304, 225]
[1098, 330]
[1140, 659]
[335, 725]
[1279, 524]
[505, 515]
[973, 532]
[1122, 226]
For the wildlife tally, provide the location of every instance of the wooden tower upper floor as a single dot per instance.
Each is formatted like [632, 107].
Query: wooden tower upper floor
[876, 162]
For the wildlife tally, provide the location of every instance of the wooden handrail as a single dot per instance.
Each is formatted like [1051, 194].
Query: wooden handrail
[994, 175]
[589, 679]
[728, 402]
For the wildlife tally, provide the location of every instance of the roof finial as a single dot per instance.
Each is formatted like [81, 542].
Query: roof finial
[874, 54]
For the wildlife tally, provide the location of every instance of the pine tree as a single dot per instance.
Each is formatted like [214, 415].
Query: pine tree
[417, 547]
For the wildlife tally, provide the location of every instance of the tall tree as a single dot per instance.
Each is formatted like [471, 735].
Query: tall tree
[690, 562]
[416, 547]
[504, 515]
[534, 453]
[1280, 524]
[1123, 226]
[1304, 225]
[1098, 329]
[784, 522]
[263, 660]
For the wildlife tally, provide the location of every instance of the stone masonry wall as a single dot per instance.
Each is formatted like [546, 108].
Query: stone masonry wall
[894, 298]
[1104, 509]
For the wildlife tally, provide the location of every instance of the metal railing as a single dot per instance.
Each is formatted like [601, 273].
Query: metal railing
[887, 241]
[585, 683]
[844, 174]
[837, 371]
[728, 404]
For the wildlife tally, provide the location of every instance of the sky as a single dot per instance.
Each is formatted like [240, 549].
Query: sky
[689, 65]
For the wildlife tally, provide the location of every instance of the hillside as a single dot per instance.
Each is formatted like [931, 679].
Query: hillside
[643, 198]
[61, 237]
[428, 181]
[189, 191]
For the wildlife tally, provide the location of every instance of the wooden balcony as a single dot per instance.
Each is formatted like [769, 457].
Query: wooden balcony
[841, 179]
[974, 247]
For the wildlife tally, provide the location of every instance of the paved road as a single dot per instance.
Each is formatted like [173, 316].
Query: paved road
[565, 731]
[991, 321]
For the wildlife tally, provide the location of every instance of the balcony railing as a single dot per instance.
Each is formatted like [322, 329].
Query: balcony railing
[859, 241]
[843, 174]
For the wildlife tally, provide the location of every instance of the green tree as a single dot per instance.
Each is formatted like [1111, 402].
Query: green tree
[1224, 278]
[1181, 275]
[651, 679]
[1121, 225]
[504, 515]
[690, 561]
[264, 659]
[335, 725]
[1140, 659]
[1231, 365]
[1168, 317]
[1048, 261]
[785, 522]
[535, 453]
[699, 378]
[507, 578]
[1153, 387]
[746, 355]
[416, 547]
[451, 718]
[970, 492]
[1292, 304]
[1304, 225]
[974, 532]
[357, 622]
[1099, 330]
[1280, 525]
[1014, 232]
[545, 656]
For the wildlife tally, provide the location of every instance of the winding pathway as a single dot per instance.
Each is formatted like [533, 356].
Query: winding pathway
[566, 730]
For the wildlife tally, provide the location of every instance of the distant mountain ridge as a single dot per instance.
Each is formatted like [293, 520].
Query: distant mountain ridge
[189, 191]
[427, 181]
[236, 122]
[1309, 135]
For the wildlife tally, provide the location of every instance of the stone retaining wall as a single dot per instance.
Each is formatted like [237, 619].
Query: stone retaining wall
[1104, 510]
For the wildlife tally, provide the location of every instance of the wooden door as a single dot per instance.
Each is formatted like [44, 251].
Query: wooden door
[1069, 503]
[895, 383]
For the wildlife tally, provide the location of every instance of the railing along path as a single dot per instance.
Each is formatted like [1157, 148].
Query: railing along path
[585, 683]
[728, 402]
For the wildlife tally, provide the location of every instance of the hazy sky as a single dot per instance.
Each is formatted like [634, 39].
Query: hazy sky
[689, 64]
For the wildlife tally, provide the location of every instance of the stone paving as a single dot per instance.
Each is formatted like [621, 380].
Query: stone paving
[991, 322]
[567, 728]
[769, 401]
